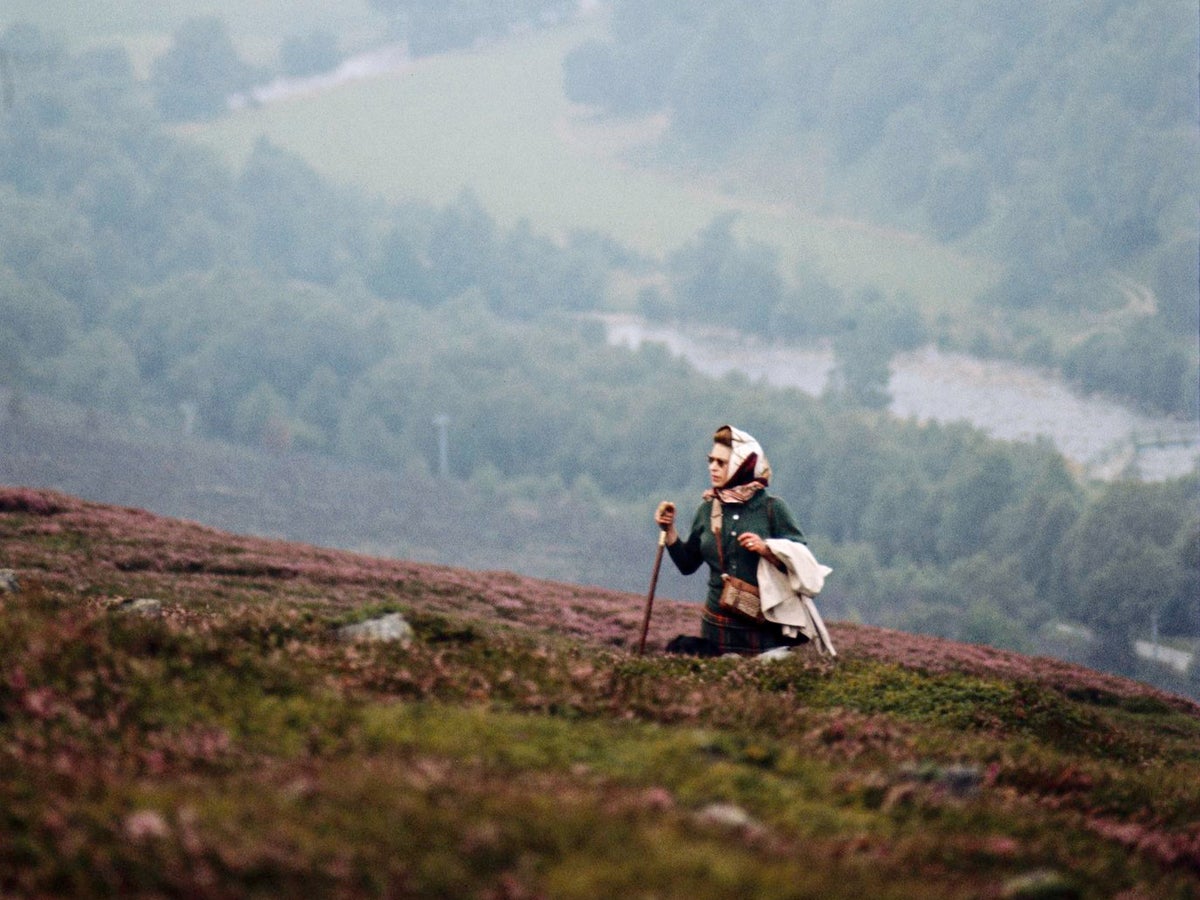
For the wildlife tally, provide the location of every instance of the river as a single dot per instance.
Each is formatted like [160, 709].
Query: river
[1007, 400]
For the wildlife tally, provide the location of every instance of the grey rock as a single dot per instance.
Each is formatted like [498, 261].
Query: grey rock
[392, 628]
[956, 780]
[1040, 884]
[726, 815]
[774, 654]
[8, 582]
[141, 606]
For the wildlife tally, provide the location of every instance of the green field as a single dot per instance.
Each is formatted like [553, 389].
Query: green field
[495, 122]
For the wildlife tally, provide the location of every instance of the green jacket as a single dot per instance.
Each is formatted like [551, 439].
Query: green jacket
[698, 545]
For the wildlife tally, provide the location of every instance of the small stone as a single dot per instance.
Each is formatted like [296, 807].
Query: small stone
[658, 799]
[145, 825]
[962, 780]
[956, 780]
[727, 815]
[774, 654]
[8, 582]
[1040, 884]
[392, 628]
[141, 606]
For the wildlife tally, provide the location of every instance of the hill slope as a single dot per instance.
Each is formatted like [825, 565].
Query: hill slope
[227, 744]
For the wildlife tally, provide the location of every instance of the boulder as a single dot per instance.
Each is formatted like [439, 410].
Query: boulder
[727, 815]
[141, 606]
[8, 582]
[392, 628]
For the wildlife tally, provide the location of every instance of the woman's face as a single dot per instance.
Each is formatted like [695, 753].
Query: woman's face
[718, 464]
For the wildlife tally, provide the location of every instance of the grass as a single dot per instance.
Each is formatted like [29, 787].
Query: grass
[231, 746]
[495, 122]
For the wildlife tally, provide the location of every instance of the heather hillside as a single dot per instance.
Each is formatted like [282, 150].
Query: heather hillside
[223, 742]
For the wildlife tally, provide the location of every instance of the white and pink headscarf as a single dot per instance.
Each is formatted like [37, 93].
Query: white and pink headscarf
[749, 473]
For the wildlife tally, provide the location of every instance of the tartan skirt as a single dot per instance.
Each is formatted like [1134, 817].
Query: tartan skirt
[735, 634]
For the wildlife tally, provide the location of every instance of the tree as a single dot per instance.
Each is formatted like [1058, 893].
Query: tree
[719, 280]
[900, 517]
[866, 88]
[861, 375]
[399, 271]
[36, 323]
[1182, 614]
[1121, 562]
[199, 72]
[718, 88]
[909, 145]
[972, 499]
[319, 405]
[1141, 361]
[873, 331]
[590, 73]
[309, 54]
[1177, 286]
[296, 218]
[958, 199]
[1034, 526]
[99, 370]
[258, 415]
[533, 275]
[462, 247]
[814, 306]
[996, 602]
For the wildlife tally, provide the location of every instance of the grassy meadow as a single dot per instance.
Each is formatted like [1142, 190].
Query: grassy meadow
[495, 122]
[222, 741]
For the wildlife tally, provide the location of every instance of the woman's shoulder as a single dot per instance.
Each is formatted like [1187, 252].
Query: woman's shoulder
[780, 516]
[763, 498]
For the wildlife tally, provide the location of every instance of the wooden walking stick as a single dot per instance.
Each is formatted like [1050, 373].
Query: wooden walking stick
[658, 555]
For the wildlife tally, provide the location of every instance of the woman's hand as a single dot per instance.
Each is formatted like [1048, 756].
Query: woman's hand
[664, 516]
[755, 544]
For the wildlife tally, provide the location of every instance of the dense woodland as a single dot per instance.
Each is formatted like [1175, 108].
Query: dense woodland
[141, 275]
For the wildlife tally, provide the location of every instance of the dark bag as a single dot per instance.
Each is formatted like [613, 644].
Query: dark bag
[687, 645]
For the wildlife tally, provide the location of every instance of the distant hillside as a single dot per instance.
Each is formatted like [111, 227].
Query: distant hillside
[547, 531]
[222, 741]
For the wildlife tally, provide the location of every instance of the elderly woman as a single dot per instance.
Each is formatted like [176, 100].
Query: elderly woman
[729, 532]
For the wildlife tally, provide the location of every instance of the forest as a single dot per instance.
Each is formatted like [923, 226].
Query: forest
[141, 274]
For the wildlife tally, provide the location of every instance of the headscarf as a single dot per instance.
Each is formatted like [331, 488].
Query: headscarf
[749, 473]
[747, 462]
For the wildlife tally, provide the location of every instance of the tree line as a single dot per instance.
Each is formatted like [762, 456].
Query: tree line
[139, 273]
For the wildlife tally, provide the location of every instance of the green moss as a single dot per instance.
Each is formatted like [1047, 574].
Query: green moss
[442, 629]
